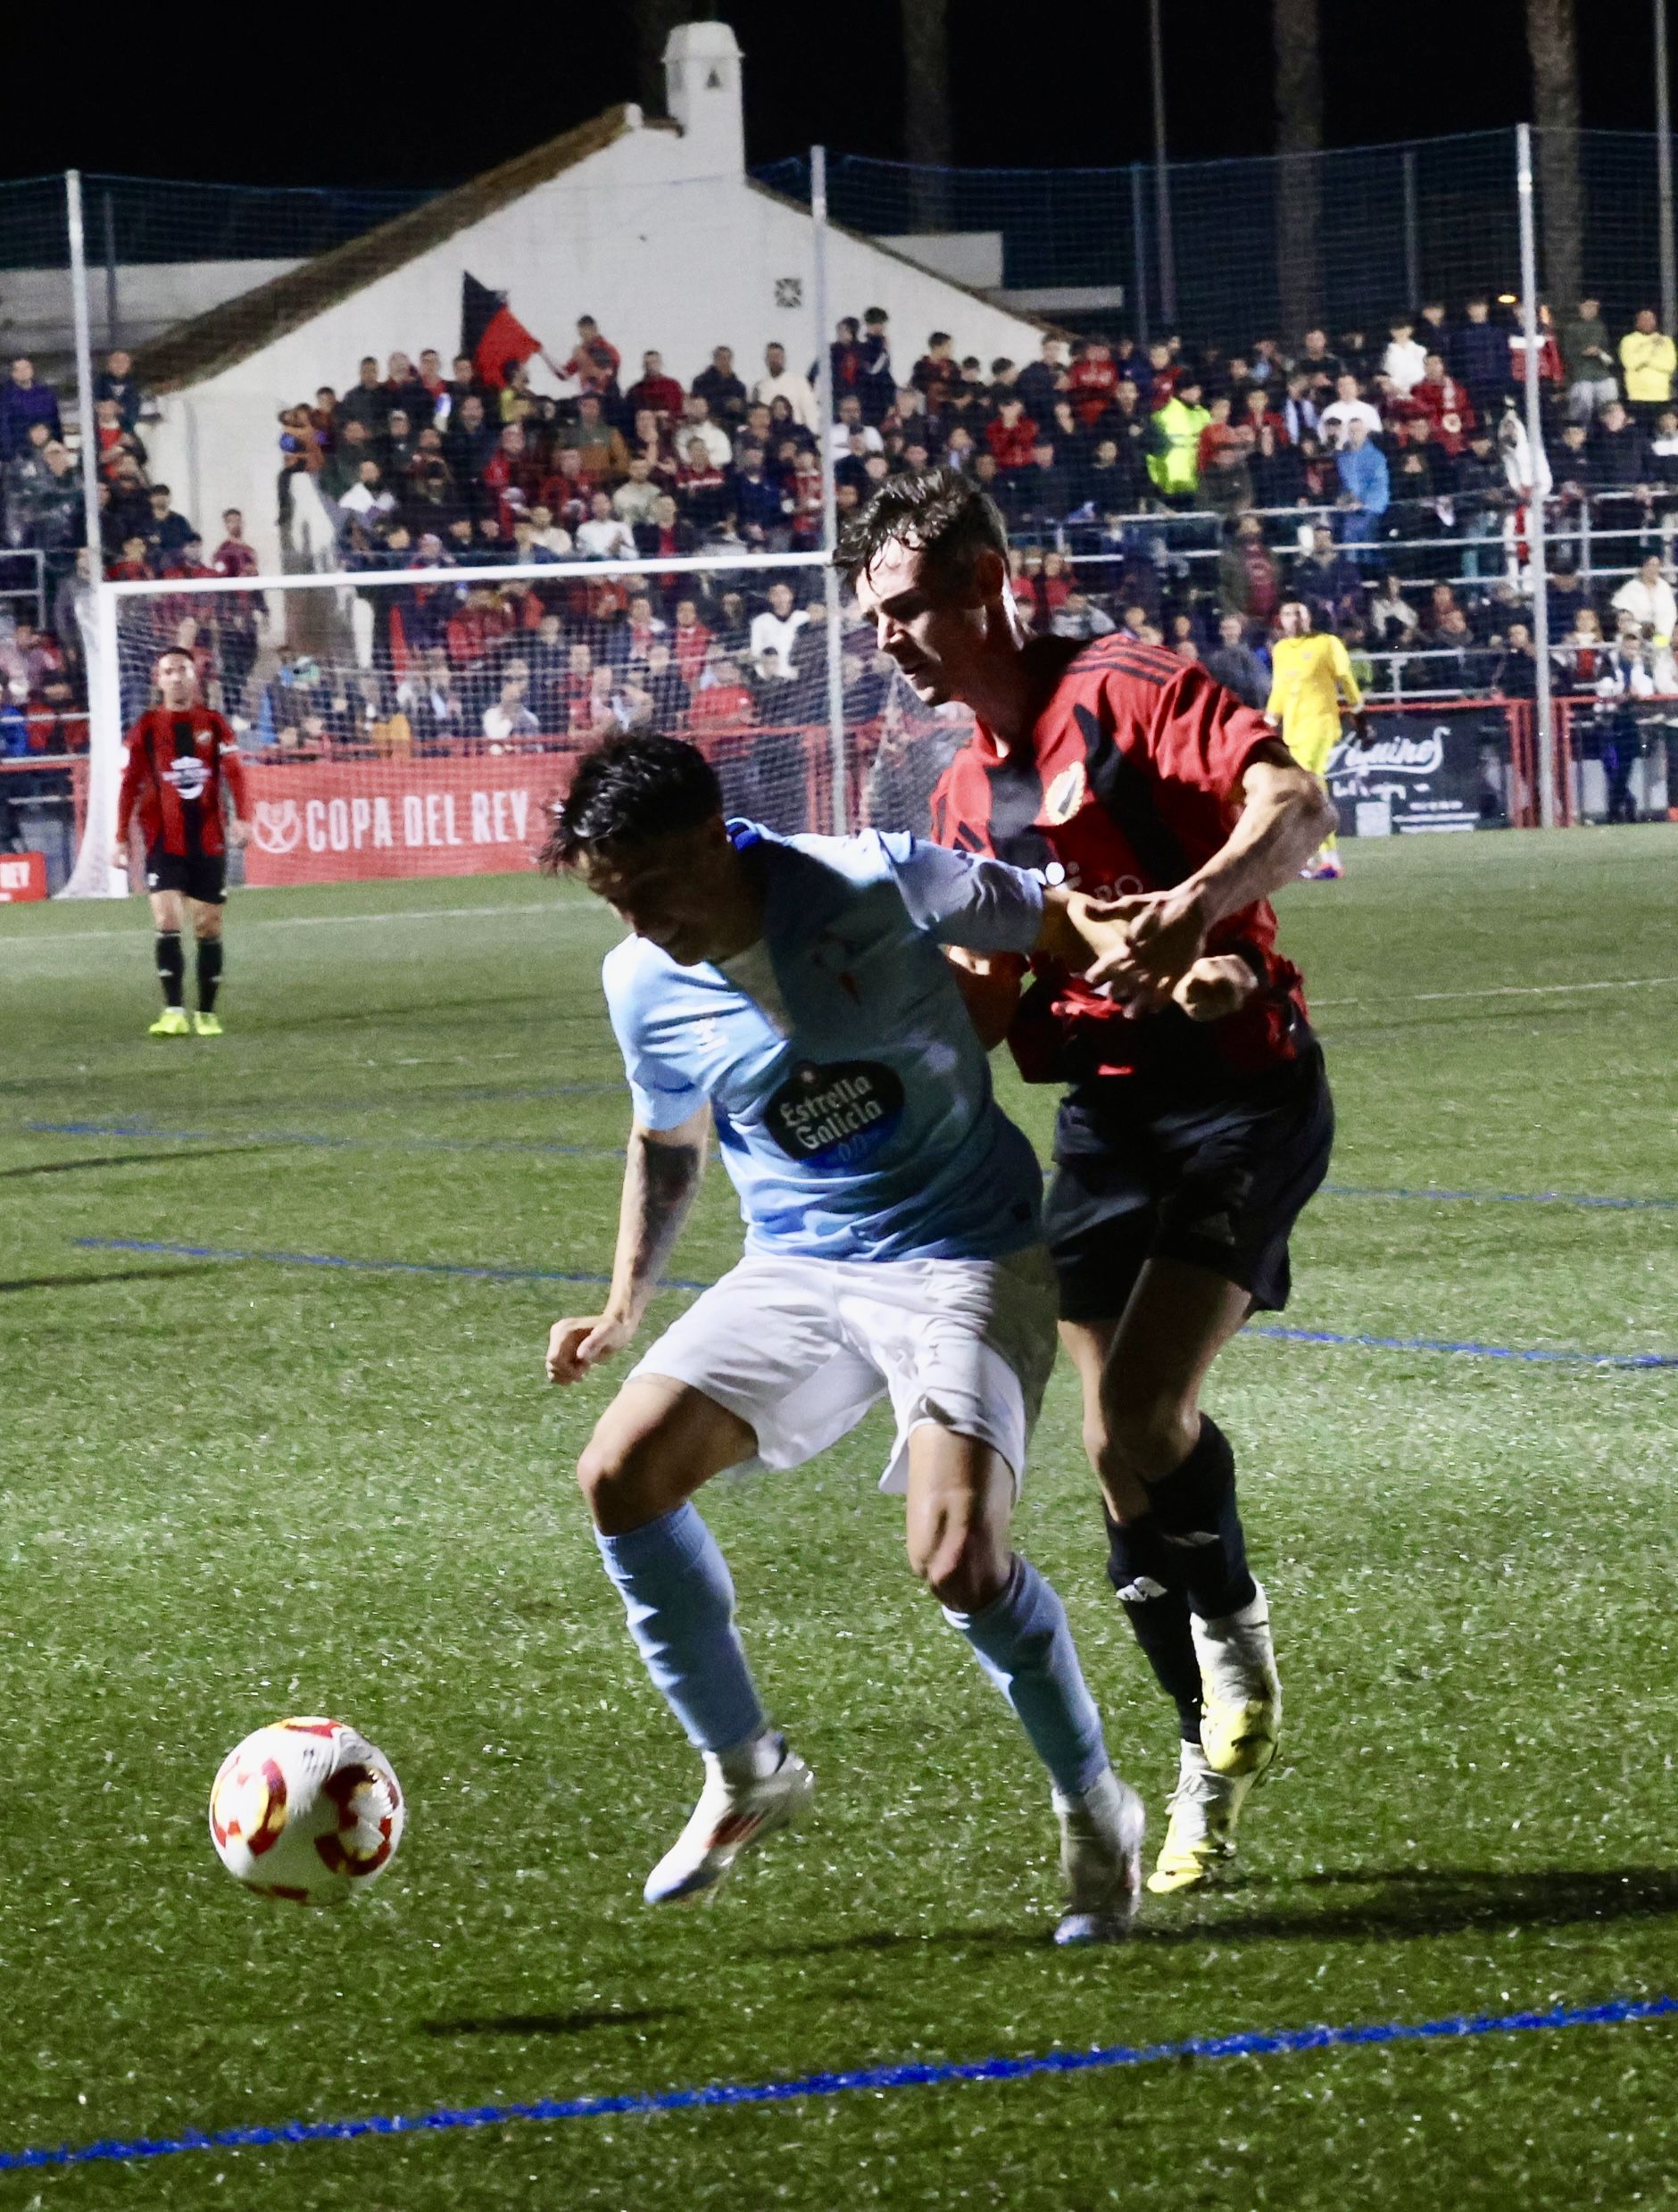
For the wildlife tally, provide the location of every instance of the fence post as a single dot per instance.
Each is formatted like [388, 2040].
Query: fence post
[1139, 252]
[829, 502]
[1412, 238]
[1162, 174]
[113, 325]
[1662, 166]
[1539, 470]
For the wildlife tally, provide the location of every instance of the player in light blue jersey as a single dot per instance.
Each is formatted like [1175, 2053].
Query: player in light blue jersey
[797, 990]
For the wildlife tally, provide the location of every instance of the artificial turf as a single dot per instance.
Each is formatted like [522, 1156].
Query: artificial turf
[234, 1488]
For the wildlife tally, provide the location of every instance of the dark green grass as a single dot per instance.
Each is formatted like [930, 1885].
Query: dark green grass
[233, 1490]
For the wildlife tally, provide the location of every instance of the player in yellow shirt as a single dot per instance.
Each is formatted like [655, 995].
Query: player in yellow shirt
[1311, 676]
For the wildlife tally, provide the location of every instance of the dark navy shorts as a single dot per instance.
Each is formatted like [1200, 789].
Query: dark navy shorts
[1141, 1174]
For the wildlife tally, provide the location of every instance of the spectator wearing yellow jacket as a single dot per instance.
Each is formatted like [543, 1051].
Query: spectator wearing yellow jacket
[1648, 358]
[1309, 677]
[1174, 462]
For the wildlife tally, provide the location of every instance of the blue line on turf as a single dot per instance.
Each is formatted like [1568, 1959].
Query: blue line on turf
[1282, 2042]
[139, 1129]
[1539, 1353]
[1509, 1198]
[360, 1266]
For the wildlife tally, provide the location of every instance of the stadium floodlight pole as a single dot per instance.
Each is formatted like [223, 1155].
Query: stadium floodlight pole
[1663, 163]
[1162, 174]
[1538, 470]
[93, 876]
[829, 492]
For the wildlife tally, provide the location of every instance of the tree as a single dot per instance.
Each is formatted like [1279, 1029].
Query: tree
[1298, 96]
[928, 137]
[1553, 48]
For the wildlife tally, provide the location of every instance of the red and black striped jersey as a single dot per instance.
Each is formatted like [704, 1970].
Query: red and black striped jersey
[172, 776]
[1129, 781]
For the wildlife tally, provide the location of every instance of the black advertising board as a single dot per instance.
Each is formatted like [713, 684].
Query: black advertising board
[1442, 768]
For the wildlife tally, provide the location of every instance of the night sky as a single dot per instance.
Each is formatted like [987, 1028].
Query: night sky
[405, 100]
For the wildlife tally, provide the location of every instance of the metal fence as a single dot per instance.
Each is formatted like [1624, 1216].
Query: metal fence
[1230, 260]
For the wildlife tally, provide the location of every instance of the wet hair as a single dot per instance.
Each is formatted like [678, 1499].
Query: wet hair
[627, 791]
[945, 514]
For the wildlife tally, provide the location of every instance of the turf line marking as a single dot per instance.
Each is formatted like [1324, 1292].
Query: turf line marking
[296, 922]
[1280, 2043]
[364, 1266]
[1504, 1198]
[1468, 1349]
[1505, 991]
[137, 1130]
[551, 1275]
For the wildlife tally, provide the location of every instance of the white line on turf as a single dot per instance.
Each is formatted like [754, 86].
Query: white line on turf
[292, 921]
[1505, 991]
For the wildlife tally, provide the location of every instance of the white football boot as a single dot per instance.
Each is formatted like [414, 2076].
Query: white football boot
[734, 1811]
[1100, 1856]
[1200, 1834]
[1240, 1689]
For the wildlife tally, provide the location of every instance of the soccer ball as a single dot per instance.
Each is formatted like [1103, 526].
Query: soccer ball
[307, 1810]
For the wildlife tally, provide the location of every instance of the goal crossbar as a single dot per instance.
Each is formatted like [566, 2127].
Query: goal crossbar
[502, 572]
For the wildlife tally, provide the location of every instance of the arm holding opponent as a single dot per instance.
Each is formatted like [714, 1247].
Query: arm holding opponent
[1216, 986]
[1285, 815]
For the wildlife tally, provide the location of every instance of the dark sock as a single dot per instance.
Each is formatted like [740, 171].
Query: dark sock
[172, 965]
[1195, 1510]
[208, 973]
[1148, 1578]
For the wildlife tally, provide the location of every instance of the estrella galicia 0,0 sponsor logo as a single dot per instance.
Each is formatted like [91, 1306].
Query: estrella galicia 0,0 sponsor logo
[836, 1115]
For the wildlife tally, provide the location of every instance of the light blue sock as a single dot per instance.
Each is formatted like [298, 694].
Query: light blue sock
[677, 1590]
[1023, 1642]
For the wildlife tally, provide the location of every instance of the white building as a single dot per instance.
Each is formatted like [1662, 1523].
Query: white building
[652, 228]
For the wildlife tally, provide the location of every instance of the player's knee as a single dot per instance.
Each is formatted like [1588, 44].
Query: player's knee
[622, 1478]
[1144, 1434]
[964, 1564]
[206, 924]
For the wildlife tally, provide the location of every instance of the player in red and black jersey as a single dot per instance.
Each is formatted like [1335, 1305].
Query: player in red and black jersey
[181, 756]
[1184, 1149]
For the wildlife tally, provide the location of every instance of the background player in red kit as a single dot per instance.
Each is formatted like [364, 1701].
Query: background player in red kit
[1183, 1150]
[180, 755]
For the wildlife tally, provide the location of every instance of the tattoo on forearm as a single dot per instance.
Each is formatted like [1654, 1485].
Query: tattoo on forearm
[670, 1176]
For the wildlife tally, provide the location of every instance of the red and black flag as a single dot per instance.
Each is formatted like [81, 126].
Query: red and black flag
[490, 332]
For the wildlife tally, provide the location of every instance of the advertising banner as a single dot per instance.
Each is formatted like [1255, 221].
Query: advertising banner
[22, 876]
[339, 821]
[1424, 767]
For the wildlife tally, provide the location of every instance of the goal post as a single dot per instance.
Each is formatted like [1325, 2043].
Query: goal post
[416, 720]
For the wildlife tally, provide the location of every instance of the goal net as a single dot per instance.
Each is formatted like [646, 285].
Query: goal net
[420, 721]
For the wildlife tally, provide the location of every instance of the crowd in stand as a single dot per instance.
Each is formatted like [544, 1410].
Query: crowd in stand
[1179, 492]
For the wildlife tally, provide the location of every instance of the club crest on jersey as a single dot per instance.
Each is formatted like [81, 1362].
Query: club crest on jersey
[1064, 795]
[189, 775]
[835, 1116]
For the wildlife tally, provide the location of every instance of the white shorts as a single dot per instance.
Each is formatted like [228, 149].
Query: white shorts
[801, 1349]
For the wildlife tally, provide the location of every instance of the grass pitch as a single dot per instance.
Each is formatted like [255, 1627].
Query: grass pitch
[232, 1488]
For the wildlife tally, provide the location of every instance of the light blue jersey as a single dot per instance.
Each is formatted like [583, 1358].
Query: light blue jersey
[852, 1098]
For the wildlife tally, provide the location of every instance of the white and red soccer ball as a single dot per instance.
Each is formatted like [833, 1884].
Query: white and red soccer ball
[307, 1810]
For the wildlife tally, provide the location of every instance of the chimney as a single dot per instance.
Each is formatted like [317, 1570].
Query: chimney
[701, 84]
